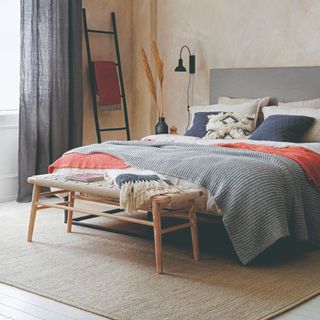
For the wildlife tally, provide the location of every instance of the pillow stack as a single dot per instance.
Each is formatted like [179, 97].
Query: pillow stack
[224, 114]
[303, 109]
[283, 128]
[237, 118]
[263, 102]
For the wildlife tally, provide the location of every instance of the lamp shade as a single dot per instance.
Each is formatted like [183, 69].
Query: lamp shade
[180, 67]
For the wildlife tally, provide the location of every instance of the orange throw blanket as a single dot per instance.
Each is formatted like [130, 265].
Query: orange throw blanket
[307, 159]
[88, 161]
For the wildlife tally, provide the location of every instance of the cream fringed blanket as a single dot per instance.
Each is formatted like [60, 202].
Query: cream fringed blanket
[138, 186]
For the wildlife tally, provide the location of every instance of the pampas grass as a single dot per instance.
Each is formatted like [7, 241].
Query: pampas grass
[149, 76]
[159, 66]
[150, 80]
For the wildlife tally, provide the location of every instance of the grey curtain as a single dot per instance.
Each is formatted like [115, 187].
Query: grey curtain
[50, 86]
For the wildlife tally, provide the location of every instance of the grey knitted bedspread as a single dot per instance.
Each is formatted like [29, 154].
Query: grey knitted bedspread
[263, 197]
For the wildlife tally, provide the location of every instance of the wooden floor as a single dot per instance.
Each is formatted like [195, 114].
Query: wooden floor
[16, 304]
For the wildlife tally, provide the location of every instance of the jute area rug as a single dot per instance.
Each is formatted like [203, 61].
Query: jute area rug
[114, 275]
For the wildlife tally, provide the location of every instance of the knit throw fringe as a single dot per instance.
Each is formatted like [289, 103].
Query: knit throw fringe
[110, 107]
[113, 107]
[138, 186]
[135, 194]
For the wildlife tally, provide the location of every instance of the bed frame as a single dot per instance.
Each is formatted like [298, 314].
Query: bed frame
[281, 83]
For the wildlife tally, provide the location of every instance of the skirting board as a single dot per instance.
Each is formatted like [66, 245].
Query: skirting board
[8, 187]
[8, 198]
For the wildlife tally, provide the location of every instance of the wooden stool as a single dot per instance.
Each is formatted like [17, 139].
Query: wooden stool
[174, 205]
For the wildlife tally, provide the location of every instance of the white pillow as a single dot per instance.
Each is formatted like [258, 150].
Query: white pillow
[250, 108]
[313, 134]
[314, 103]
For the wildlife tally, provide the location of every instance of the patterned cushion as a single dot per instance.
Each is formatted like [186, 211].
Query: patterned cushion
[198, 128]
[283, 128]
[230, 125]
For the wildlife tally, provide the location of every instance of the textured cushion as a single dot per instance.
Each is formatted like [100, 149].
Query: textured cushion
[314, 103]
[230, 126]
[312, 135]
[283, 128]
[263, 102]
[250, 107]
[198, 128]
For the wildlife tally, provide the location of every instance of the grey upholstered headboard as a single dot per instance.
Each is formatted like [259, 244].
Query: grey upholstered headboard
[282, 84]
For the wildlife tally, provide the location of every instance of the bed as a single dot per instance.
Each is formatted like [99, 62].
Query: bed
[259, 223]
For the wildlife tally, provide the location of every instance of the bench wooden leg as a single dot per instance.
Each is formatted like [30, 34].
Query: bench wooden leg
[33, 212]
[70, 212]
[157, 235]
[194, 230]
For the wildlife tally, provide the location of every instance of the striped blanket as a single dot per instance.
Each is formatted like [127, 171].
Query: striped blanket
[264, 197]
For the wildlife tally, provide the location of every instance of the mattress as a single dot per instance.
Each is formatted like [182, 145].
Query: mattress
[205, 204]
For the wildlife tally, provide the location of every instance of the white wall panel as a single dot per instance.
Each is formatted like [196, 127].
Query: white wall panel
[8, 155]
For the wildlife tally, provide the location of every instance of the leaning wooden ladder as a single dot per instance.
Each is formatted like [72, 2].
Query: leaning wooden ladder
[113, 33]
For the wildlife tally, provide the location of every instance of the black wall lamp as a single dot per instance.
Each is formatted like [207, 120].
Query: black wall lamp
[192, 62]
[192, 70]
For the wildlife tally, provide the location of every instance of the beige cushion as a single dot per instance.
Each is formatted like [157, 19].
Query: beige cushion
[247, 108]
[314, 103]
[263, 102]
[313, 134]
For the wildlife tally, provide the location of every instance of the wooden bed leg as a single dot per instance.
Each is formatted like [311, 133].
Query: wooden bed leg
[70, 212]
[194, 230]
[157, 235]
[33, 212]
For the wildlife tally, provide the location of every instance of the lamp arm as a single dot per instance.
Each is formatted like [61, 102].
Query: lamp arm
[185, 46]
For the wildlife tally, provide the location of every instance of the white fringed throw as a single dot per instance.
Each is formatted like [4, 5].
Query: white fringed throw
[138, 186]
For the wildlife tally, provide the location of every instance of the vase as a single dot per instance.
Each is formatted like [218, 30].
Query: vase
[161, 126]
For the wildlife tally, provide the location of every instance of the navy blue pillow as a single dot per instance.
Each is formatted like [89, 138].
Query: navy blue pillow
[198, 128]
[283, 128]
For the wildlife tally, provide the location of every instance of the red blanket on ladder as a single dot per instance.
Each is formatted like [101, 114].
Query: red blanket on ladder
[107, 83]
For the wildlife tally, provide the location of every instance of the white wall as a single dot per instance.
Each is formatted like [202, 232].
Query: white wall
[233, 34]
[9, 97]
[9, 54]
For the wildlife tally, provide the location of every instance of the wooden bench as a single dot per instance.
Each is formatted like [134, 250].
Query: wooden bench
[179, 205]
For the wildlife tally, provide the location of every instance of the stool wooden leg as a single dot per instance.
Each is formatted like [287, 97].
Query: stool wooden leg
[194, 230]
[70, 212]
[33, 212]
[157, 235]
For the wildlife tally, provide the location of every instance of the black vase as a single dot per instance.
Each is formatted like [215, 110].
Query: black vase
[161, 126]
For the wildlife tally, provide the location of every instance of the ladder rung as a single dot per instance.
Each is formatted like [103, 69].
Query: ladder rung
[113, 129]
[100, 31]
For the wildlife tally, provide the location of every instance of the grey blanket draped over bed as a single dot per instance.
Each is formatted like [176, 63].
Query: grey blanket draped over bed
[263, 197]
